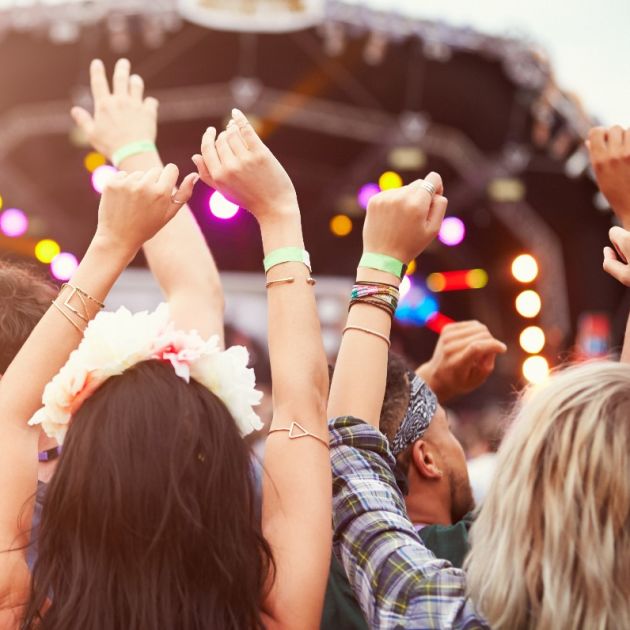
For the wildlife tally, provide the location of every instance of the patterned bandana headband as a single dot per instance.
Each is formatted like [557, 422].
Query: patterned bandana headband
[422, 407]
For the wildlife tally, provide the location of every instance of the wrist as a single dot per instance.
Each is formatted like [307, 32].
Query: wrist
[373, 275]
[113, 249]
[141, 162]
[282, 231]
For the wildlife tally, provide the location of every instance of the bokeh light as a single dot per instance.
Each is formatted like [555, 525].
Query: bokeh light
[341, 225]
[63, 266]
[452, 231]
[477, 278]
[436, 282]
[101, 176]
[528, 304]
[93, 160]
[525, 268]
[221, 207]
[46, 250]
[405, 287]
[506, 189]
[536, 369]
[532, 339]
[411, 268]
[13, 223]
[366, 193]
[1, 202]
[390, 180]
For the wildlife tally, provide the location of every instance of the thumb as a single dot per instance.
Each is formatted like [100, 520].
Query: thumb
[182, 194]
[83, 119]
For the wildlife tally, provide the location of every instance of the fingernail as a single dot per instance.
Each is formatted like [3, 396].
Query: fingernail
[231, 123]
[211, 130]
[195, 179]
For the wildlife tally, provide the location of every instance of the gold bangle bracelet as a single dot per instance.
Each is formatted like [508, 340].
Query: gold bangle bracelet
[272, 283]
[374, 333]
[67, 317]
[297, 431]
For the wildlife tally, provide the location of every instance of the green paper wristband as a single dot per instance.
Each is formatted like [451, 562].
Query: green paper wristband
[133, 148]
[382, 262]
[286, 254]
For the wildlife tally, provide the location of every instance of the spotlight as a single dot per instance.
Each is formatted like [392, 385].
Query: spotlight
[536, 369]
[452, 232]
[506, 189]
[532, 339]
[437, 322]
[416, 306]
[457, 280]
[412, 268]
[407, 158]
[93, 160]
[390, 180]
[525, 268]
[221, 207]
[63, 266]
[13, 223]
[47, 250]
[366, 193]
[101, 176]
[1, 202]
[405, 287]
[528, 304]
[341, 225]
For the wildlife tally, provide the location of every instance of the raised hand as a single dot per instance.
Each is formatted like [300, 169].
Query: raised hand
[610, 155]
[239, 165]
[616, 260]
[463, 359]
[134, 207]
[402, 222]
[121, 115]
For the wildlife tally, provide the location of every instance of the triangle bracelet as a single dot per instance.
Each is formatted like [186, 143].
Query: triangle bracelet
[297, 431]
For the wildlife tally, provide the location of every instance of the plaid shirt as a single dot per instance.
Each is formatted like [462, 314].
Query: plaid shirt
[398, 582]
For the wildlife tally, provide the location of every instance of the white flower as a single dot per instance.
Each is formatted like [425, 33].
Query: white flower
[115, 342]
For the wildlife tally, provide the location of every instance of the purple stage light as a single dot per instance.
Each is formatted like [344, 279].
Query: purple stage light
[101, 176]
[366, 193]
[13, 222]
[452, 231]
[221, 207]
[405, 287]
[63, 266]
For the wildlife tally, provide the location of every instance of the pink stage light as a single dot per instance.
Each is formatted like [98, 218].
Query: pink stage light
[405, 287]
[221, 207]
[63, 266]
[101, 176]
[13, 222]
[366, 193]
[452, 231]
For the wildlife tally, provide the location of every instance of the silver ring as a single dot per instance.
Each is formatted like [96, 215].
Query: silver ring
[429, 187]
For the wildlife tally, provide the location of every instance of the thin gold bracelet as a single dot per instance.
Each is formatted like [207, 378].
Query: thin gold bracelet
[369, 332]
[297, 431]
[272, 283]
[83, 293]
[67, 317]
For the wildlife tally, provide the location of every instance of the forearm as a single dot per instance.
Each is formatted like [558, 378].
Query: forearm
[183, 266]
[41, 357]
[358, 386]
[625, 351]
[297, 486]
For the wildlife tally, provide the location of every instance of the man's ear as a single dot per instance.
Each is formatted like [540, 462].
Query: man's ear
[424, 460]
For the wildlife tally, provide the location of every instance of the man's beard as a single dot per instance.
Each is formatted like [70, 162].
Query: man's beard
[462, 500]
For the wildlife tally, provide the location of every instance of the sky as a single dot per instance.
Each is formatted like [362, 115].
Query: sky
[587, 41]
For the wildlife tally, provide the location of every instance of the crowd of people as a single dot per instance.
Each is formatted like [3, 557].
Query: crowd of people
[129, 498]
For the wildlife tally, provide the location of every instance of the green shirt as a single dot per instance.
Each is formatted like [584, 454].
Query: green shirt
[341, 610]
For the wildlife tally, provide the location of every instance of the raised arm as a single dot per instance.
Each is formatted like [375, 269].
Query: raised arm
[463, 359]
[125, 122]
[399, 225]
[297, 483]
[132, 209]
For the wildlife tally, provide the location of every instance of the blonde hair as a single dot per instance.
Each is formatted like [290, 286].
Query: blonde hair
[551, 546]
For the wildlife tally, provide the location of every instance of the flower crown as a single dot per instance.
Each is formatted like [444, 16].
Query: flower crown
[115, 342]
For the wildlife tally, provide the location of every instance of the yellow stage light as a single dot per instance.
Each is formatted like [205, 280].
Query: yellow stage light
[390, 180]
[341, 225]
[436, 282]
[477, 278]
[525, 268]
[536, 369]
[532, 339]
[46, 250]
[93, 160]
[528, 304]
[1, 202]
[412, 267]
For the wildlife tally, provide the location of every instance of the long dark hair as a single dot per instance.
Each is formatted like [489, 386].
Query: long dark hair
[150, 520]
